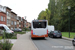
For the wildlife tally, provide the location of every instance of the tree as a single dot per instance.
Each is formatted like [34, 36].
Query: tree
[60, 14]
[44, 15]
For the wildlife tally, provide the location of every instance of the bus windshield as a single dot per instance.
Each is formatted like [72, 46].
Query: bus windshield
[39, 24]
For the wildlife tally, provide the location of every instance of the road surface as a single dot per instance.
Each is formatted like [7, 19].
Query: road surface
[53, 44]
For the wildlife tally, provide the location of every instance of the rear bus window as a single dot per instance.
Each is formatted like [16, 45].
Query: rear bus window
[39, 24]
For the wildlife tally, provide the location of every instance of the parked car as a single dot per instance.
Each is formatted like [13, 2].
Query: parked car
[73, 41]
[55, 33]
[4, 27]
[17, 30]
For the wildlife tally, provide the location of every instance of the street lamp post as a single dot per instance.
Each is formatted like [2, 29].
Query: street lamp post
[69, 19]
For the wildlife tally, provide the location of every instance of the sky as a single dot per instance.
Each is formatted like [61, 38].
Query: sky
[28, 8]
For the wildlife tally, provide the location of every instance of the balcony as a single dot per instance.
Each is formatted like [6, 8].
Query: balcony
[8, 24]
[8, 17]
[17, 18]
[19, 25]
[17, 22]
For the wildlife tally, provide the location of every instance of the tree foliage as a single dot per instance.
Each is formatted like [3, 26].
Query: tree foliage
[58, 14]
[44, 15]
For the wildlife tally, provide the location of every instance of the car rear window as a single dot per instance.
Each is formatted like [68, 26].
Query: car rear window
[57, 32]
[39, 24]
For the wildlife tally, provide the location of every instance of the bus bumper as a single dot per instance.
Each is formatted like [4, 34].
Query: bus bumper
[36, 36]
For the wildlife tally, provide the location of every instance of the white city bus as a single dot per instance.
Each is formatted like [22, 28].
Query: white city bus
[39, 28]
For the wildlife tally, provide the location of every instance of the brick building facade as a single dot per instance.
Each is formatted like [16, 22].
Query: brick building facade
[11, 19]
[8, 14]
[3, 18]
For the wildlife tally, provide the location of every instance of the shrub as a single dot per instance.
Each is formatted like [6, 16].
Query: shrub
[13, 37]
[5, 45]
[26, 29]
[7, 35]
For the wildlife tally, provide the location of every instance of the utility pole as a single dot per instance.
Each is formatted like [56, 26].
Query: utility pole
[69, 19]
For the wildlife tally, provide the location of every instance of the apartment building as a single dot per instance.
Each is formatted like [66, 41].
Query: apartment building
[24, 23]
[2, 8]
[21, 23]
[28, 24]
[13, 20]
[3, 15]
[3, 18]
[17, 21]
[8, 13]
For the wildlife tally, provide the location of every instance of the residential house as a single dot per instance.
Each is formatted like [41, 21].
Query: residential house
[19, 22]
[28, 24]
[3, 18]
[13, 20]
[23, 22]
[8, 13]
[3, 15]
[2, 8]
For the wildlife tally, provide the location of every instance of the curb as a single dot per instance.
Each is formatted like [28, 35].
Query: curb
[33, 43]
[70, 39]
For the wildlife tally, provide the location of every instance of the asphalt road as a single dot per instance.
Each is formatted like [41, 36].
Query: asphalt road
[53, 44]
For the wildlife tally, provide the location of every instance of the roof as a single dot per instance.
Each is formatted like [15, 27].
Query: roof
[13, 12]
[2, 12]
[8, 8]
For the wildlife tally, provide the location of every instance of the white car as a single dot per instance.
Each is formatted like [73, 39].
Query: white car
[7, 30]
[50, 28]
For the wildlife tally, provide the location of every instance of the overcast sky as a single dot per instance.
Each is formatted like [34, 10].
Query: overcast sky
[28, 8]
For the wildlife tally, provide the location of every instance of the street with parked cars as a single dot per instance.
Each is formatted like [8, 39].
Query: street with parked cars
[47, 43]
[17, 30]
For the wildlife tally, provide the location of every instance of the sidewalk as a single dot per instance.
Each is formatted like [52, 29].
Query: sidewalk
[67, 38]
[24, 43]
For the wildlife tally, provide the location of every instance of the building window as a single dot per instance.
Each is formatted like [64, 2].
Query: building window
[8, 21]
[12, 22]
[12, 16]
[15, 23]
[4, 18]
[1, 18]
[25, 21]
[7, 13]
[15, 17]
